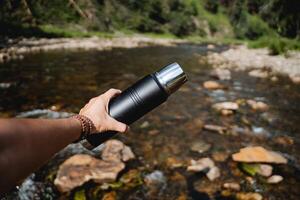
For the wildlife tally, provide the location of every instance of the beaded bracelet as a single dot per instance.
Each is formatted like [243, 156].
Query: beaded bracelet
[87, 126]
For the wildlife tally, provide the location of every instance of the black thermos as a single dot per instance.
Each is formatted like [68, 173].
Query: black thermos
[137, 100]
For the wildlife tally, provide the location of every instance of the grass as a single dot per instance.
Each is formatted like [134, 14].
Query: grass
[276, 45]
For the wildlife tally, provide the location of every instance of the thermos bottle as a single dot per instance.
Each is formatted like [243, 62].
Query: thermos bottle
[137, 100]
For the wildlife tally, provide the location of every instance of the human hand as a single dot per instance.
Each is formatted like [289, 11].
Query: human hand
[97, 111]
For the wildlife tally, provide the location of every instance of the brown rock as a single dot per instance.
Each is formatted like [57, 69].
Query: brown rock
[258, 73]
[115, 150]
[194, 126]
[283, 140]
[220, 156]
[258, 154]
[257, 105]
[226, 112]
[215, 128]
[221, 74]
[81, 168]
[110, 196]
[212, 85]
[248, 196]
[232, 186]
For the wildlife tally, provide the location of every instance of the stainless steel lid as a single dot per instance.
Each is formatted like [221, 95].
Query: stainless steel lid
[171, 77]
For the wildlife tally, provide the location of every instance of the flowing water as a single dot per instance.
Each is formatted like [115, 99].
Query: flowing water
[65, 80]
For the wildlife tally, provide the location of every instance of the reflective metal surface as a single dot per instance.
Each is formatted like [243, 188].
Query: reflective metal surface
[171, 77]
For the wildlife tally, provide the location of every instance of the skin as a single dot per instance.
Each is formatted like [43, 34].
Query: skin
[26, 144]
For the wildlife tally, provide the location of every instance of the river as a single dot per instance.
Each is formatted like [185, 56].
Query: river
[65, 80]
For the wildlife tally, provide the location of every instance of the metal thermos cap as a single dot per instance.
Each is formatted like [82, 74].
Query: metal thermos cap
[171, 77]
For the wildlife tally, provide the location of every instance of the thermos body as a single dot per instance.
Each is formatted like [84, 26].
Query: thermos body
[132, 104]
[142, 97]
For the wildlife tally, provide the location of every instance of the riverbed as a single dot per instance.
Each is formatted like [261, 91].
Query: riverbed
[63, 81]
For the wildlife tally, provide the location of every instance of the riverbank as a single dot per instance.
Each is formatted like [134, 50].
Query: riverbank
[237, 57]
[257, 61]
[17, 49]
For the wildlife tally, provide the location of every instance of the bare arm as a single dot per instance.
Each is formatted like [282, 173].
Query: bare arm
[26, 144]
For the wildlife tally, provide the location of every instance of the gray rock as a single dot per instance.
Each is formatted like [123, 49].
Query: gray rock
[221, 74]
[264, 170]
[201, 165]
[213, 173]
[200, 146]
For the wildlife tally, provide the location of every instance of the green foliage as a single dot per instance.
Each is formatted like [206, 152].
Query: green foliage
[250, 169]
[276, 45]
[80, 195]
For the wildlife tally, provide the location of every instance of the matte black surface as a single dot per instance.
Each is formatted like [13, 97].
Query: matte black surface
[132, 104]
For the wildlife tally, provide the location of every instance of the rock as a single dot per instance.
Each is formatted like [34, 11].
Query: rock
[201, 165]
[200, 146]
[5, 85]
[295, 79]
[220, 156]
[258, 73]
[258, 154]
[212, 85]
[155, 182]
[283, 140]
[232, 186]
[82, 168]
[274, 179]
[210, 46]
[248, 196]
[153, 132]
[226, 112]
[226, 106]
[115, 150]
[174, 163]
[215, 128]
[194, 126]
[221, 74]
[264, 170]
[110, 196]
[257, 105]
[145, 124]
[213, 173]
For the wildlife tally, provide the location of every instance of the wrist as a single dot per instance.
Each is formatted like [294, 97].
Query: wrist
[87, 127]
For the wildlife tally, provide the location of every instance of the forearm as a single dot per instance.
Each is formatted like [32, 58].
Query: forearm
[26, 144]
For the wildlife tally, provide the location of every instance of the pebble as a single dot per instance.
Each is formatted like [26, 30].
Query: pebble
[232, 186]
[274, 179]
[212, 85]
[200, 146]
[215, 128]
[258, 73]
[248, 196]
[226, 106]
[201, 165]
[220, 156]
[257, 105]
[213, 173]
[264, 170]
[221, 74]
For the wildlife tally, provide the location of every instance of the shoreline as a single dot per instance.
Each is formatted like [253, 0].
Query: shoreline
[237, 57]
[18, 49]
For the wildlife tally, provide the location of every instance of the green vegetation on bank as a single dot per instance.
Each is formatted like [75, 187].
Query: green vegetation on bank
[272, 23]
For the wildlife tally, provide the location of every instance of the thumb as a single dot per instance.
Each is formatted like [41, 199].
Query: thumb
[117, 126]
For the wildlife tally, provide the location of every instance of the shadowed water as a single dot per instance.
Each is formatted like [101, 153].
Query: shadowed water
[65, 81]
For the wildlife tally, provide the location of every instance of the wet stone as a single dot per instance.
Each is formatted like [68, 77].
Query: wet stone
[201, 165]
[257, 105]
[213, 173]
[248, 196]
[258, 73]
[264, 170]
[274, 179]
[220, 156]
[215, 128]
[212, 85]
[226, 106]
[221, 74]
[258, 154]
[200, 146]
[232, 186]
[115, 150]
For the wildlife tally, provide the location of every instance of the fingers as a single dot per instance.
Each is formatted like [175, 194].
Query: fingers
[111, 93]
[117, 126]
